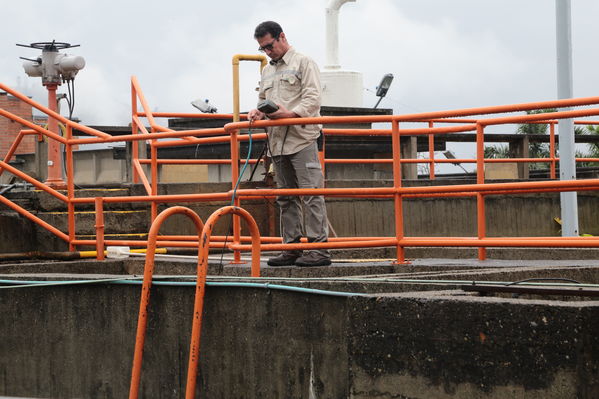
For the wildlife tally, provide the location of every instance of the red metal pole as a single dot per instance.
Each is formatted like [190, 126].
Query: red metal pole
[54, 157]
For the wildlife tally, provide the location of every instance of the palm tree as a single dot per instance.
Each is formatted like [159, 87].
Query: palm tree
[541, 150]
[593, 148]
[536, 150]
[497, 151]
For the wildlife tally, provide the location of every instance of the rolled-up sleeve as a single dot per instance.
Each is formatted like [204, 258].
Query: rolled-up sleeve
[309, 104]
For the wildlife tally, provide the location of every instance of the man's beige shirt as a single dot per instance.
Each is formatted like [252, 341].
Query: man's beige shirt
[293, 82]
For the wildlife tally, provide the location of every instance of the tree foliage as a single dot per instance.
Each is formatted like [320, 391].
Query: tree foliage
[541, 150]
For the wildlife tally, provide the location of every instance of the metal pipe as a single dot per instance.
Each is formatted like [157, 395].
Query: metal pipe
[431, 152]
[147, 285]
[194, 347]
[54, 179]
[34, 182]
[332, 33]
[70, 175]
[33, 218]
[234, 143]
[99, 228]
[12, 149]
[235, 62]
[552, 149]
[48, 112]
[397, 200]
[480, 179]
[567, 163]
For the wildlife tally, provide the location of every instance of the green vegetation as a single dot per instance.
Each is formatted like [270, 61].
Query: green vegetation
[541, 150]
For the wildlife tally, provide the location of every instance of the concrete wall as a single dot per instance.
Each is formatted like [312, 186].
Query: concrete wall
[78, 341]
[91, 167]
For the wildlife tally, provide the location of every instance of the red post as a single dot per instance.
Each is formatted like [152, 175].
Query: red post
[54, 157]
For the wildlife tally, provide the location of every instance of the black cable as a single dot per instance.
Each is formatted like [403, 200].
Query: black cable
[258, 160]
[544, 279]
[275, 159]
[71, 104]
[71, 88]
[247, 160]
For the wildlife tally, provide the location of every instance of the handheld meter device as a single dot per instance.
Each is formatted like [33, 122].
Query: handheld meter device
[267, 106]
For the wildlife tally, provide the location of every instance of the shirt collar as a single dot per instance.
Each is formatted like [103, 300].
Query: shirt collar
[285, 58]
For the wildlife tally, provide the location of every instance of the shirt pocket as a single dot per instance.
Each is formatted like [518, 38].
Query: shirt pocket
[290, 87]
[266, 86]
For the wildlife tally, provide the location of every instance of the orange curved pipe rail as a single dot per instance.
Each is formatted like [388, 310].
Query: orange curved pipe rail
[194, 347]
[144, 303]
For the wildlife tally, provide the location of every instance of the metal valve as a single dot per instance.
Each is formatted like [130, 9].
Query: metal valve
[53, 67]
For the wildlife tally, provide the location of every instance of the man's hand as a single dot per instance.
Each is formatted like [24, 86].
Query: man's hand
[281, 113]
[255, 115]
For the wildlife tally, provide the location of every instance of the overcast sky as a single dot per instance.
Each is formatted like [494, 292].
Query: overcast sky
[444, 54]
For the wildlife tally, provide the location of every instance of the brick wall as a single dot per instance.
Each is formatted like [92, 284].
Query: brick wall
[9, 129]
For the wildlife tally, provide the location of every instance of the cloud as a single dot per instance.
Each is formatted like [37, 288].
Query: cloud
[444, 55]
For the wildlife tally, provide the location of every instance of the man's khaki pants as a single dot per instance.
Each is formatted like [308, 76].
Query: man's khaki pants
[301, 170]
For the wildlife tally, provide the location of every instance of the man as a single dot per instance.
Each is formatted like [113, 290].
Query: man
[292, 81]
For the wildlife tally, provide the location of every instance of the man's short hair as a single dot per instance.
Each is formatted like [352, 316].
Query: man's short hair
[268, 27]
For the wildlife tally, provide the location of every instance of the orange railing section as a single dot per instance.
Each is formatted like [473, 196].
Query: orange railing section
[159, 136]
[203, 239]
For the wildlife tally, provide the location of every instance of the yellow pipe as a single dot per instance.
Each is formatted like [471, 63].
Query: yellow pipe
[92, 254]
[236, 59]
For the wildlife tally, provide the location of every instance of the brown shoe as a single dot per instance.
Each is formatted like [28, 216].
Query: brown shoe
[286, 258]
[313, 258]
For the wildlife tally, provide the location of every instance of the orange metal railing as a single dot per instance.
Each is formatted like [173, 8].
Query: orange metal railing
[159, 136]
[202, 242]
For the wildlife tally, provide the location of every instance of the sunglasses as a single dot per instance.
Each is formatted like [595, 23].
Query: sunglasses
[267, 47]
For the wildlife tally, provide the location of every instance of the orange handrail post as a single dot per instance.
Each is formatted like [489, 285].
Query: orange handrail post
[431, 152]
[154, 170]
[236, 202]
[70, 175]
[194, 347]
[398, 201]
[99, 202]
[480, 179]
[134, 131]
[144, 303]
[322, 157]
[552, 149]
